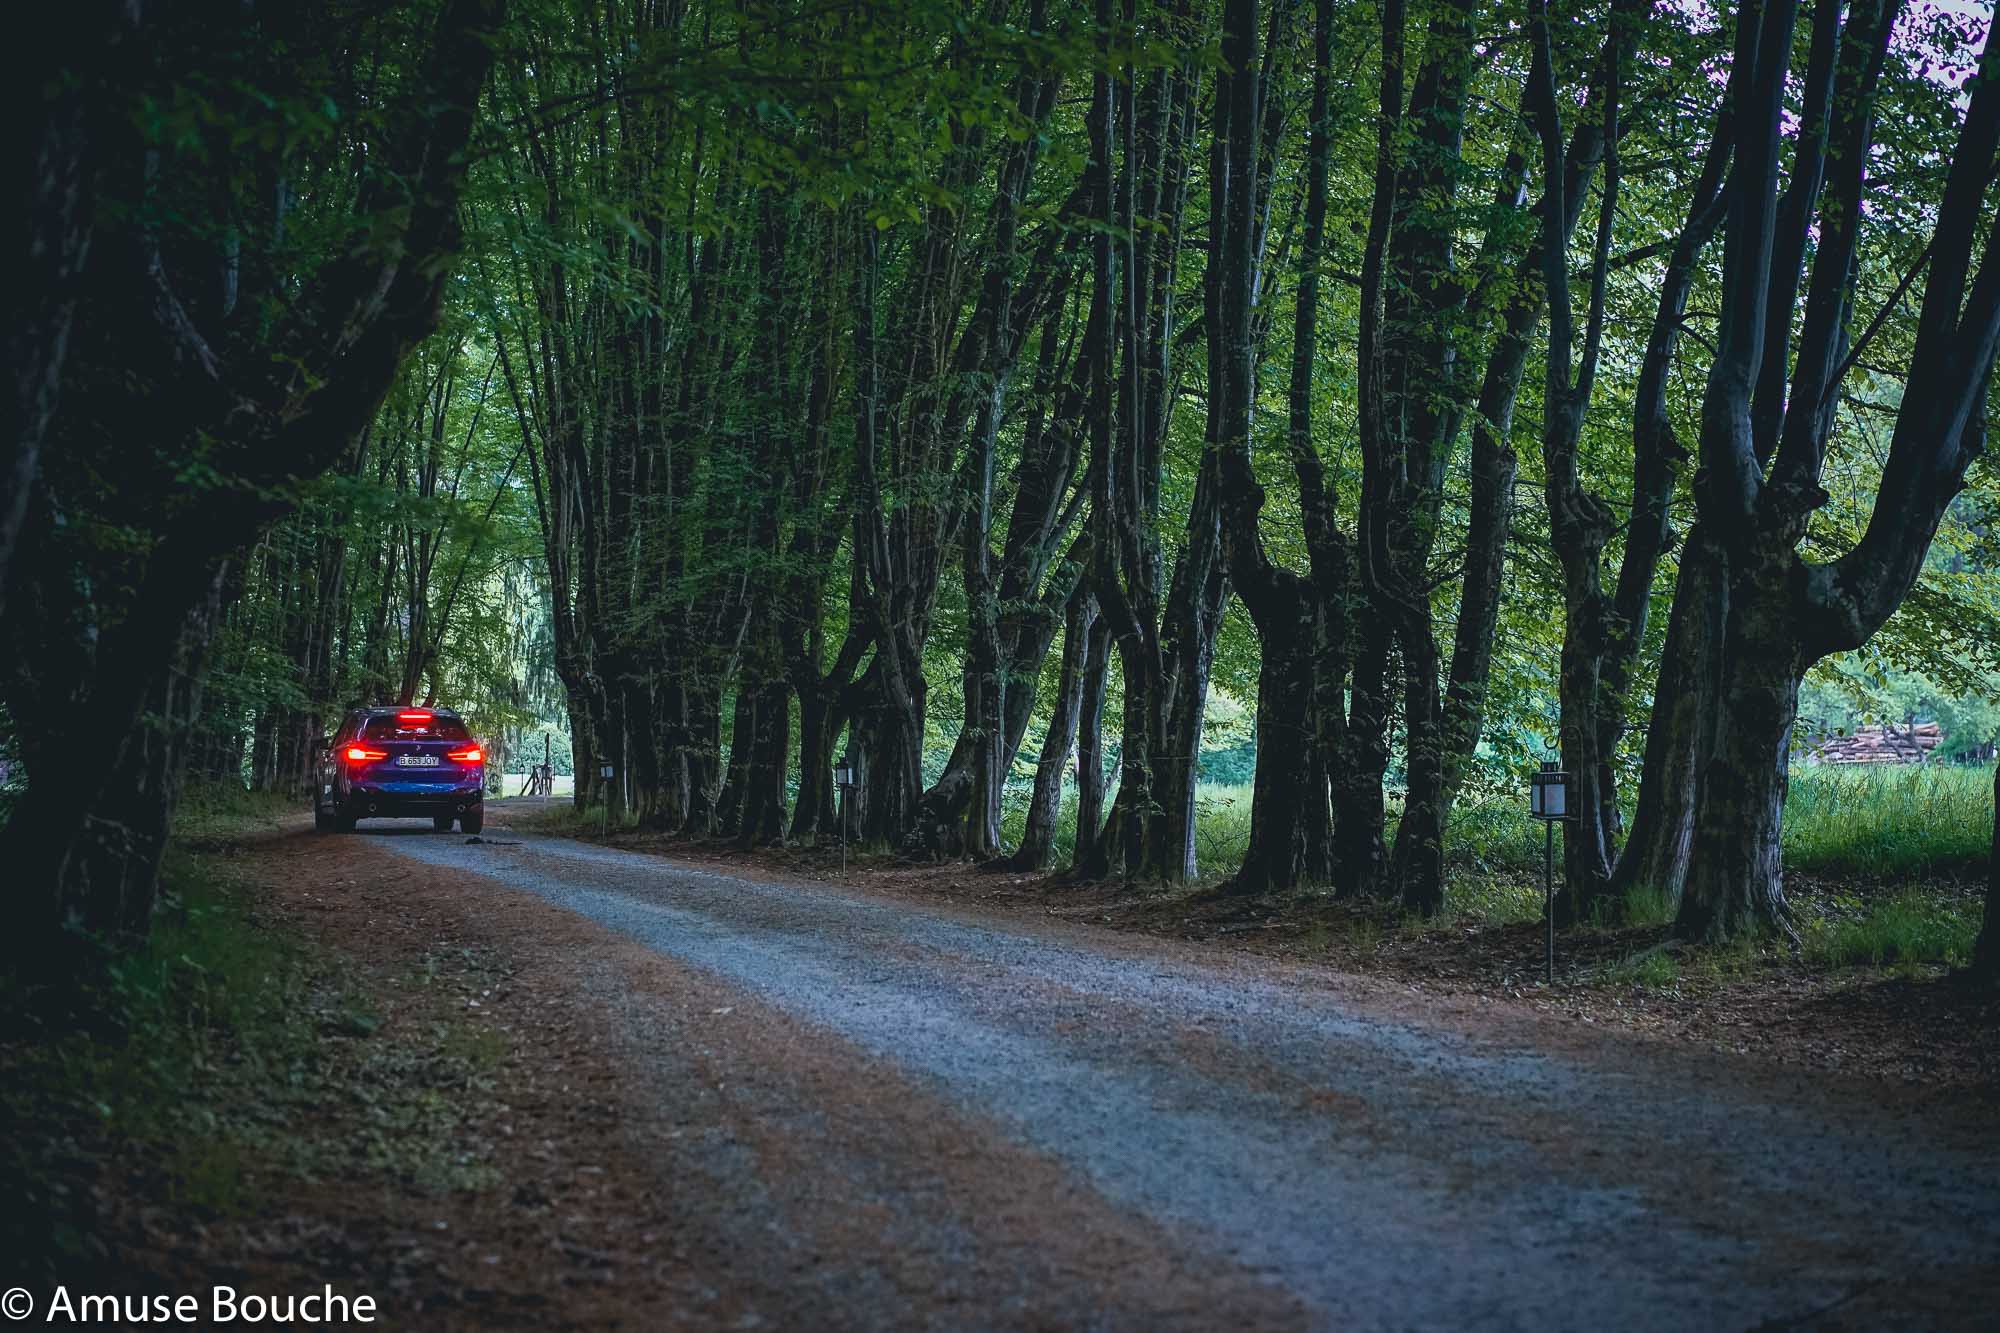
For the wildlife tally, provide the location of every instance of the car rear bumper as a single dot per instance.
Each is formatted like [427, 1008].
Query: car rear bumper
[413, 798]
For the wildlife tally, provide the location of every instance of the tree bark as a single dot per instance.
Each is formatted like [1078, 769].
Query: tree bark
[1986, 952]
[1090, 858]
[346, 330]
[1735, 881]
[1361, 859]
[1656, 854]
[1409, 416]
[1037, 849]
[1782, 614]
[1580, 522]
[49, 230]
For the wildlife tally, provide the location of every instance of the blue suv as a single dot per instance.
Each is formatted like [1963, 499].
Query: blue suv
[401, 761]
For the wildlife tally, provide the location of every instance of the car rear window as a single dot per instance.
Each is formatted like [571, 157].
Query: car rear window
[438, 728]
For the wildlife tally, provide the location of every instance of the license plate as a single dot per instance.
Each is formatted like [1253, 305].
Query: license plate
[416, 761]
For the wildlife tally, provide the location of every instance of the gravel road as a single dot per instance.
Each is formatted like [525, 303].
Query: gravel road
[1364, 1159]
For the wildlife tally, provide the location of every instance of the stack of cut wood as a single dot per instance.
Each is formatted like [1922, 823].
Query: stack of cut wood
[1889, 744]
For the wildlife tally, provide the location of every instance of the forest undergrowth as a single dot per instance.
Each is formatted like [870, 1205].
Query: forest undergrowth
[223, 1067]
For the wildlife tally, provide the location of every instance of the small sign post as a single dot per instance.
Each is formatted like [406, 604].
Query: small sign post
[604, 771]
[1548, 801]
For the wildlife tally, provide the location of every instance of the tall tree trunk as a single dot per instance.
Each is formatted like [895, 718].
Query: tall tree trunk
[1735, 884]
[1986, 953]
[1407, 361]
[1580, 522]
[1276, 857]
[1037, 847]
[1782, 614]
[762, 821]
[99, 821]
[344, 330]
[1656, 854]
[1090, 858]
[1418, 861]
[818, 725]
[49, 229]
[1361, 859]
[1656, 850]
[1193, 621]
[1494, 468]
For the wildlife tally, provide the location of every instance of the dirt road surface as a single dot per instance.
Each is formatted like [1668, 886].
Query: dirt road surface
[875, 1114]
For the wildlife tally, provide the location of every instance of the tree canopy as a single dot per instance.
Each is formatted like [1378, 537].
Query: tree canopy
[1034, 401]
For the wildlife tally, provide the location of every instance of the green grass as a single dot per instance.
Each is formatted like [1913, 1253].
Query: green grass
[1882, 821]
[1493, 899]
[1876, 823]
[1909, 929]
[1888, 821]
[1646, 905]
[215, 814]
[1221, 826]
[1492, 832]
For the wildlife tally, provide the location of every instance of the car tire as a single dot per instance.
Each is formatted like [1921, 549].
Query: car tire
[343, 822]
[442, 823]
[472, 820]
[323, 819]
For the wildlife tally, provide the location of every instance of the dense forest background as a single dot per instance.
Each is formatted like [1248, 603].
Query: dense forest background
[1059, 409]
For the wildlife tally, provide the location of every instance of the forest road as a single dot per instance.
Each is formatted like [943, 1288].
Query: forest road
[894, 1115]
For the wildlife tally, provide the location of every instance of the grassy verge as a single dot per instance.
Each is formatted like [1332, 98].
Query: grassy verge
[1875, 821]
[1882, 822]
[211, 1071]
[210, 817]
[1919, 930]
[1906, 931]
[1879, 859]
[1878, 821]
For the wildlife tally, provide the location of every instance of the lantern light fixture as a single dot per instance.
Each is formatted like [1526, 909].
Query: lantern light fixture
[1549, 801]
[843, 780]
[1548, 792]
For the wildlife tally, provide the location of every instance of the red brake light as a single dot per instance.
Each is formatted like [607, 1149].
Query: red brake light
[472, 756]
[356, 754]
[414, 716]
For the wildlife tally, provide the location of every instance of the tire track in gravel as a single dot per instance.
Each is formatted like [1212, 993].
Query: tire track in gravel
[1388, 1171]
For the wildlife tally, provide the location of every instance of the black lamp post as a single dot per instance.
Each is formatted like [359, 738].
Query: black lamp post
[1549, 801]
[843, 778]
[605, 771]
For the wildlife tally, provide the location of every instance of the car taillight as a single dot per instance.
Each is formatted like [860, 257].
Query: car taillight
[417, 716]
[472, 756]
[357, 755]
